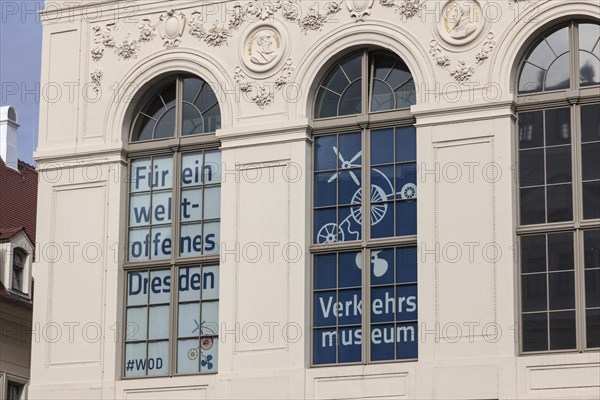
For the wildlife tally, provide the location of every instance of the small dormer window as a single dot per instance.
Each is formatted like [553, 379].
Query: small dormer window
[12, 115]
[17, 270]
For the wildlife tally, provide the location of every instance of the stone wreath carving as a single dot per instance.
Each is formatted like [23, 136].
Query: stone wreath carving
[463, 72]
[96, 79]
[406, 8]
[262, 95]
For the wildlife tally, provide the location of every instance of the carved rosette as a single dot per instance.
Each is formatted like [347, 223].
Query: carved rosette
[263, 94]
[171, 28]
[359, 9]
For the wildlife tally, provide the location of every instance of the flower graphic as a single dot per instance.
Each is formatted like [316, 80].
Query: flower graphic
[206, 343]
[207, 362]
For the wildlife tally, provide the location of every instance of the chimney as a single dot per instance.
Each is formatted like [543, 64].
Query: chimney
[8, 137]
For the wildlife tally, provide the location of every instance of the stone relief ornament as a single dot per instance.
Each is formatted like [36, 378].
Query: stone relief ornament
[359, 9]
[486, 50]
[96, 78]
[406, 8]
[147, 31]
[436, 52]
[171, 28]
[263, 49]
[314, 20]
[127, 49]
[262, 95]
[461, 21]
[463, 72]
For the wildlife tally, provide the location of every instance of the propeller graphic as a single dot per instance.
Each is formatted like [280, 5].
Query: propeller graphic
[346, 165]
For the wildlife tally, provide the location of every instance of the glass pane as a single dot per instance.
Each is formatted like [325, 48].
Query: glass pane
[191, 240]
[589, 69]
[406, 218]
[162, 205]
[137, 288]
[212, 167]
[590, 123]
[591, 248]
[143, 128]
[191, 88]
[382, 146]
[337, 81]
[562, 331]
[382, 220]
[535, 332]
[327, 104]
[560, 251]
[531, 129]
[532, 206]
[533, 293]
[382, 342]
[382, 97]
[160, 286]
[162, 172]
[349, 182]
[558, 126]
[188, 351]
[190, 280]
[531, 167]
[383, 304]
[561, 290]
[212, 237]
[191, 205]
[406, 95]
[351, 314]
[406, 144]
[407, 335]
[189, 320]
[158, 322]
[558, 164]
[559, 41]
[533, 253]
[210, 318]
[349, 154]
[192, 120]
[399, 75]
[382, 267]
[558, 74]
[206, 99]
[406, 296]
[212, 118]
[325, 274]
[591, 200]
[592, 288]
[140, 175]
[209, 355]
[135, 359]
[323, 309]
[349, 345]
[137, 324]
[532, 79]
[165, 127]
[324, 346]
[590, 154]
[560, 203]
[139, 244]
[589, 34]
[325, 191]
[326, 229]
[593, 328]
[191, 169]
[325, 154]
[158, 358]
[212, 203]
[542, 56]
[352, 66]
[382, 185]
[349, 270]
[351, 100]
[349, 223]
[406, 182]
[210, 283]
[406, 264]
[162, 243]
[139, 210]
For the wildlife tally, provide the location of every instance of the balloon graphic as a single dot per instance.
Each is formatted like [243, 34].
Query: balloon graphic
[380, 266]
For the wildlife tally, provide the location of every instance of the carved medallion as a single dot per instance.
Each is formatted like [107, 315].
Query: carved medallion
[171, 28]
[263, 48]
[359, 9]
[461, 21]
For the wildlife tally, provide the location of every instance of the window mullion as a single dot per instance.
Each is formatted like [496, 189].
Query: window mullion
[366, 232]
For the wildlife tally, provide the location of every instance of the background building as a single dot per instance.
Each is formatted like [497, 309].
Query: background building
[205, 225]
[18, 201]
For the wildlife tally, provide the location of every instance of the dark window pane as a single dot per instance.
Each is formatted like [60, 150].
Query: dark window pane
[325, 157]
[590, 123]
[562, 331]
[558, 74]
[327, 104]
[559, 41]
[532, 206]
[558, 164]
[406, 264]
[542, 55]
[349, 223]
[382, 220]
[531, 167]
[532, 78]
[337, 81]
[349, 273]
[353, 66]
[349, 344]
[382, 308]
[325, 272]
[325, 191]
[382, 342]
[212, 118]
[406, 218]
[399, 75]
[191, 88]
[382, 97]
[589, 69]
[561, 290]
[535, 332]
[406, 144]
[593, 328]
[325, 229]
[591, 249]
[407, 335]
[533, 253]
[558, 126]
[323, 305]
[165, 127]
[382, 186]
[349, 182]
[406, 296]
[351, 313]
[324, 346]
[591, 200]
[406, 181]
[560, 203]
[590, 163]
[406, 95]
[382, 267]
[592, 288]
[350, 151]
[533, 292]
[351, 100]
[382, 146]
[143, 128]
[531, 129]
[192, 121]
[560, 251]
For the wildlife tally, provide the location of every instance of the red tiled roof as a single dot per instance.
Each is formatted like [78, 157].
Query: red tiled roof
[18, 198]
[7, 233]
[16, 299]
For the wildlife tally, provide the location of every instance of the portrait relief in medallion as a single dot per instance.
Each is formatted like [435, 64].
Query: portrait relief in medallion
[263, 49]
[461, 21]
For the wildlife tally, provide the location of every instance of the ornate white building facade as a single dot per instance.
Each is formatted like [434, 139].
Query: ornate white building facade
[202, 226]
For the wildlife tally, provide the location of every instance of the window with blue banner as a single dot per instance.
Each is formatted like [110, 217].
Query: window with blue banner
[364, 199]
[173, 232]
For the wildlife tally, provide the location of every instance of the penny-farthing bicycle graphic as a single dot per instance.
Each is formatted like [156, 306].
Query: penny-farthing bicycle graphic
[350, 227]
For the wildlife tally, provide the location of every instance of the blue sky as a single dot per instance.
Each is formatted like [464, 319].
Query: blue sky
[20, 59]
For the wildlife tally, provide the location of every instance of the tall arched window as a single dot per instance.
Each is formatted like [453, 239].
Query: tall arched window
[364, 212]
[173, 231]
[559, 190]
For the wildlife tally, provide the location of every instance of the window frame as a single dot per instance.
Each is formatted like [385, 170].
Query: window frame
[365, 122]
[176, 147]
[573, 98]
[21, 267]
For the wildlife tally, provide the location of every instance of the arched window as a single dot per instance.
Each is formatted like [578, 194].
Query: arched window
[364, 212]
[18, 268]
[173, 231]
[559, 190]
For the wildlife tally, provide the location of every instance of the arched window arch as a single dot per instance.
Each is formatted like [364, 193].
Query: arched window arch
[173, 231]
[364, 142]
[559, 190]
[18, 269]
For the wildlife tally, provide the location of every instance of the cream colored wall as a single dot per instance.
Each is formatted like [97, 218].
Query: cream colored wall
[83, 195]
